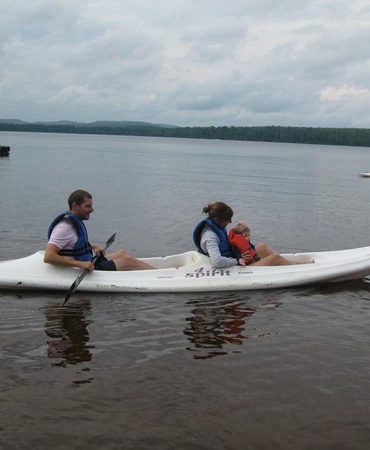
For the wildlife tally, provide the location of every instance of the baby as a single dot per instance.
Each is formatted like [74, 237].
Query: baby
[239, 239]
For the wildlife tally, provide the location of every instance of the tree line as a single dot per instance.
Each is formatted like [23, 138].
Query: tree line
[304, 135]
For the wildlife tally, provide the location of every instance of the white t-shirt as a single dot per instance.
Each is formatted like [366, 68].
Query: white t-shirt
[64, 235]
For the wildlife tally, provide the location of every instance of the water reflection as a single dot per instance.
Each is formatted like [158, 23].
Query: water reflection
[68, 336]
[215, 324]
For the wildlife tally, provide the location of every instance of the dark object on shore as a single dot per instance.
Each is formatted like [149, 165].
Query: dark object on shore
[4, 150]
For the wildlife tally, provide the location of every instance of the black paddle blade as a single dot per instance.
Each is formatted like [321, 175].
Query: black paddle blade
[110, 240]
[66, 298]
[75, 285]
[85, 272]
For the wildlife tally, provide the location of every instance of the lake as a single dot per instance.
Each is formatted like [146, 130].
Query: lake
[280, 369]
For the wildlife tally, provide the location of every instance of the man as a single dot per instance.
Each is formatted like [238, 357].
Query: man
[68, 243]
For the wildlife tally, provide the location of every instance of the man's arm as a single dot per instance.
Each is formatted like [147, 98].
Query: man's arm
[52, 256]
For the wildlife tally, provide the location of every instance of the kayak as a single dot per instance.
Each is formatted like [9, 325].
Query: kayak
[189, 272]
[365, 174]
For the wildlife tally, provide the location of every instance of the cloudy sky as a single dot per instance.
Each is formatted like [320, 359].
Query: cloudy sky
[187, 62]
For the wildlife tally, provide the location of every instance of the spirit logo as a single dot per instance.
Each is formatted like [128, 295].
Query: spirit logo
[203, 272]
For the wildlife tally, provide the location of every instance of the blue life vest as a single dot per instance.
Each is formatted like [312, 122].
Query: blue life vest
[82, 250]
[225, 248]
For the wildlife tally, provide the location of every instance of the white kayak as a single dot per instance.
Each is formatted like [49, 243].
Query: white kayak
[365, 174]
[189, 272]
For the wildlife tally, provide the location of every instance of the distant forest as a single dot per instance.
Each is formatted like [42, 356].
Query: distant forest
[304, 135]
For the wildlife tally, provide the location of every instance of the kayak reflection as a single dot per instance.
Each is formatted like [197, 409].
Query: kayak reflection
[67, 331]
[215, 324]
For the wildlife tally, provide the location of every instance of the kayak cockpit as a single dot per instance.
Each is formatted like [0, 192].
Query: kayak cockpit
[176, 261]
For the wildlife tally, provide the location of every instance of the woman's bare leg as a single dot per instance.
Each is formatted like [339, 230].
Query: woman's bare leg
[264, 250]
[270, 258]
[273, 259]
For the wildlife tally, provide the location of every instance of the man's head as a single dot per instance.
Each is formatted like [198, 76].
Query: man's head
[80, 204]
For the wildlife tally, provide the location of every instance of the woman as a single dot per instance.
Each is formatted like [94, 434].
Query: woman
[210, 238]
[210, 235]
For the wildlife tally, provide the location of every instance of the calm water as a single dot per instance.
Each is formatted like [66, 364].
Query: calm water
[283, 369]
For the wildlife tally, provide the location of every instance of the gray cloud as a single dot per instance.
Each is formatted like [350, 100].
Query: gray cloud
[187, 62]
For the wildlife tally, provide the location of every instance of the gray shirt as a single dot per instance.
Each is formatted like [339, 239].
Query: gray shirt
[210, 244]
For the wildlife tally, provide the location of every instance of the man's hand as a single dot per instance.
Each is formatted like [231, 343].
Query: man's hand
[98, 250]
[86, 265]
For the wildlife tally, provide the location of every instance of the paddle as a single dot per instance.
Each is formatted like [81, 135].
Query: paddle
[86, 271]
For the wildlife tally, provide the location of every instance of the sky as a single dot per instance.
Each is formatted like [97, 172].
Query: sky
[187, 62]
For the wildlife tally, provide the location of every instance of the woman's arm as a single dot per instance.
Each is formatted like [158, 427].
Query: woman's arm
[211, 244]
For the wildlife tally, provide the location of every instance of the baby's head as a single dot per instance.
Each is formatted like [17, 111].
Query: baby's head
[242, 229]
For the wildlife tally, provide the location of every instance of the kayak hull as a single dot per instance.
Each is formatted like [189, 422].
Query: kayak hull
[189, 272]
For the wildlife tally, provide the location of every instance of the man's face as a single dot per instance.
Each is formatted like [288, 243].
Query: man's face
[84, 210]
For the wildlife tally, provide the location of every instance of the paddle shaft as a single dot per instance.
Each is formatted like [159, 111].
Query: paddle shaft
[78, 280]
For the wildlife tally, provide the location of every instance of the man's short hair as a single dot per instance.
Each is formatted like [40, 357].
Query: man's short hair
[78, 197]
